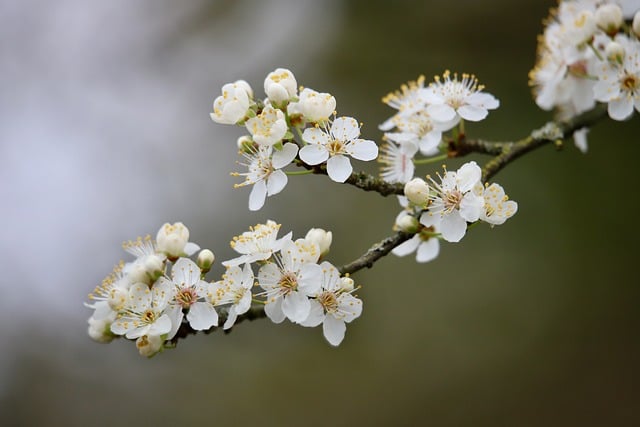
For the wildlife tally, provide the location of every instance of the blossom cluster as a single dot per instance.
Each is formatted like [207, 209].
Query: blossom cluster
[162, 291]
[589, 54]
[442, 208]
[323, 140]
[424, 113]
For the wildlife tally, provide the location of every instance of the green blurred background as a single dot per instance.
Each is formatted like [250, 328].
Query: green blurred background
[531, 323]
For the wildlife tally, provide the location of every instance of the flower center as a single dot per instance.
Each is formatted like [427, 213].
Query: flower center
[335, 147]
[630, 82]
[328, 301]
[452, 200]
[186, 297]
[578, 69]
[288, 283]
[148, 316]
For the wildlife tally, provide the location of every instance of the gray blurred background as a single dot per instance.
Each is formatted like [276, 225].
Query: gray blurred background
[105, 134]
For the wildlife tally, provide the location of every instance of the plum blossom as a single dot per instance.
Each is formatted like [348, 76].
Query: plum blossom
[453, 99]
[290, 280]
[236, 286]
[173, 240]
[257, 244]
[315, 107]
[333, 305]
[267, 128]
[280, 86]
[397, 161]
[233, 105]
[453, 202]
[497, 206]
[334, 144]
[264, 165]
[191, 293]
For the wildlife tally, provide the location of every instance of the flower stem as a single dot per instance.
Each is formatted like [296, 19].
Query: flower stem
[430, 160]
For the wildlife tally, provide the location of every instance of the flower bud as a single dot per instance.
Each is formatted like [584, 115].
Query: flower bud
[636, 24]
[316, 107]
[609, 18]
[417, 191]
[407, 223]
[346, 284]
[99, 330]
[233, 105]
[245, 144]
[320, 237]
[280, 86]
[205, 259]
[149, 345]
[172, 239]
[614, 52]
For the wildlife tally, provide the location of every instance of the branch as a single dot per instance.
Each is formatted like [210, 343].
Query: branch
[376, 252]
[549, 133]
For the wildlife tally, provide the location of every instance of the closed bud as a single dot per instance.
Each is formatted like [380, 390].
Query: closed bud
[346, 284]
[320, 237]
[609, 18]
[635, 26]
[407, 223]
[172, 239]
[149, 345]
[280, 86]
[205, 259]
[615, 52]
[99, 330]
[154, 266]
[417, 191]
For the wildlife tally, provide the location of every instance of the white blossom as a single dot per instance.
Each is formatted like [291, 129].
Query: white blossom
[320, 237]
[315, 107]
[333, 305]
[269, 127]
[453, 99]
[173, 240]
[497, 206]
[233, 105]
[619, 83]
[191, 293]
[280, 86]
[453, 202]
[144, 313]
[397, 161]
[236, 287]
[290, 280]
[257, 244]
[149, 345]
[264, 165]
[334, 144]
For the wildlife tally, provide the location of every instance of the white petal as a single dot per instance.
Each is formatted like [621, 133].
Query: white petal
[186, 272]
[316, 315]
[162, 293]
[296, 306]
[231, 316]
[428, 250]
[339, 168]
[387, 125]
[429, 219]
[202, 316]
[472, 113]
[276, 182]
[310, 279]
[580, 139]
[282, 158]
[429, 143]
[453, 227]
[363, 149]
[257, 196]
[315, 136]
[345, 129]
[140, 296]
[273, 310]
[407, 247]
[333, 330]
[268, 276]
[350, 307]
[471, 207]
[161, 326]
[314, 154]
[441, 112]
[620, 109]
[175, 314]
[468, 176]
[191, 248]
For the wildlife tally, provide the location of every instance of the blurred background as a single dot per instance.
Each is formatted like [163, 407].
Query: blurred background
[106, 135]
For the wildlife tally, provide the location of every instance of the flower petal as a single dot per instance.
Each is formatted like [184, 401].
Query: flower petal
[257, 196]
[407, 247]
[339, 168]
[333, 330]
[453, 227]
[345, 129]
[315, 136]
[441, 112]
[282, 158]
[186, 272]
[428, 250]
[621, 108]
[276, 182]
[296, 306]
[273, 310]
[316, 315]
[472, 113]
[362, 149]
[314, 154]
[202, 316]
